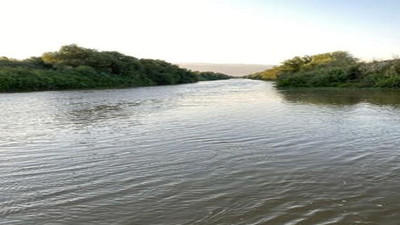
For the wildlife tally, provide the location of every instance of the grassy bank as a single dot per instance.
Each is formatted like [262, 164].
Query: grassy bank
[74, 67]
[336, 69]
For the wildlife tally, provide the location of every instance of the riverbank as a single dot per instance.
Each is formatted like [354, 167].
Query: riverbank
[74, 67]
[336, 69]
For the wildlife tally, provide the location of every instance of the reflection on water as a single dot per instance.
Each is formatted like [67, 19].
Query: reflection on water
[333, 96]
[223, 152]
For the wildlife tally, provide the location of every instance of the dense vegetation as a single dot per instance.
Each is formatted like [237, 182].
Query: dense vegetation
[336, 69]
[74, 67]
[203, 76]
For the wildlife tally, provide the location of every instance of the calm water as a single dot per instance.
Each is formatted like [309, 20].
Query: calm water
[222, 152]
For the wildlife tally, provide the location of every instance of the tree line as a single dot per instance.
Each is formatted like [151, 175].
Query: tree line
[334, 69]
[74, 67]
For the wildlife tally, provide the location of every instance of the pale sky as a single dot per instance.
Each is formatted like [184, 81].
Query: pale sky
[209, 31]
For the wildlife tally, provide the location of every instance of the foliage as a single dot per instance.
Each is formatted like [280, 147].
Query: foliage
[335, 69]
[203, 76]
[270, 74]
[323, 77]
[74, 67]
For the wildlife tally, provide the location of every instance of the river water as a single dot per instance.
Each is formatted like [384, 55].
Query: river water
[221, 152]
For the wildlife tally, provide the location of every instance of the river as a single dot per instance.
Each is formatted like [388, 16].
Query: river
[220, 152]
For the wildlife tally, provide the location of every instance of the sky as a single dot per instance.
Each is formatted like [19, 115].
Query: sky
[207, 31]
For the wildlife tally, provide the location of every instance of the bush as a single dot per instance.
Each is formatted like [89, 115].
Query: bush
[336, 69]
[74, 67]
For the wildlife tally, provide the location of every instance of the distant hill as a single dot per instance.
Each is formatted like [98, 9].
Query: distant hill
[229, 69]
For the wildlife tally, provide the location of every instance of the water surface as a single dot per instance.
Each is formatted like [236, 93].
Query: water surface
[221, 152]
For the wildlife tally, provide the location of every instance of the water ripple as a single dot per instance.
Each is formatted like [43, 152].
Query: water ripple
[223, 152]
